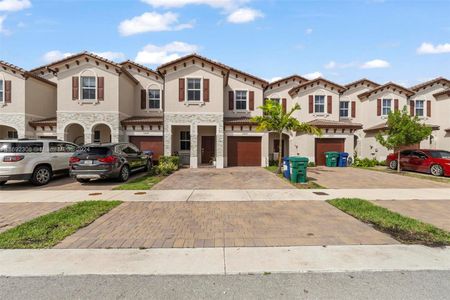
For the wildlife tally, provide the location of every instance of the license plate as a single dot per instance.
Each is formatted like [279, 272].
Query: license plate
[88, 162]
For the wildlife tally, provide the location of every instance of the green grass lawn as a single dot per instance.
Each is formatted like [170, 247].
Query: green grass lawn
[48, 230]
[311, 184]
[404, 229]
[142, 183]
[408, 173]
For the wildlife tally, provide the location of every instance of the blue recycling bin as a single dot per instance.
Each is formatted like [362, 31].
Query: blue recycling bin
[286, 168]
[343, 159]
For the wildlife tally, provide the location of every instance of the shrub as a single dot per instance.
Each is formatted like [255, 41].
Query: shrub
[170, 159]
[273, 162]
[167, 165]
[311, 164]
[365, 162]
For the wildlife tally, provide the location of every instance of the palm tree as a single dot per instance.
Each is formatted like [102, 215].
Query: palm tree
[275, 119]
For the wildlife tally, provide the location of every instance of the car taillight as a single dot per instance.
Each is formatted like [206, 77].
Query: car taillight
[13, 158]
[109, 159]
[73, 160]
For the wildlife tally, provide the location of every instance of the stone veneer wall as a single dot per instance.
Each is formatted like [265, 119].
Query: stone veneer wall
[17, 121]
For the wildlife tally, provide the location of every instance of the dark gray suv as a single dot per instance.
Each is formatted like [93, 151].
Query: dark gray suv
[116, 160]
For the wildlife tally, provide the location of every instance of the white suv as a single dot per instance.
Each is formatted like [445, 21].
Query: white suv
[36, 160]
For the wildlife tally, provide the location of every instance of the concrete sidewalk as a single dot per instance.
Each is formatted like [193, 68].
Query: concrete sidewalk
[223, 260]
[224, 195]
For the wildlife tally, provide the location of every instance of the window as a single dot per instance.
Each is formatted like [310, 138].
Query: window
[2, 94]
[386, 106]
[185, 140]
[343, 109]
[277, 100]
[440, 154]
[319, 104]
[88, 88]
[241, 100]
[62, 147]
[420, 108]
[12, 135]
[154, 99]
[193, 89]
[97, 136]
[26, 147]
[129, 149]
[419, 154]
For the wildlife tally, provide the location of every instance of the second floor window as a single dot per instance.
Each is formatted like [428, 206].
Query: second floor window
[343, 109]
[420, 108]
[241, 100]
[319, 104]
[2, 94]
[154, 99]
[88, 88]
[185, 140]
[386, 106]
[194, 89]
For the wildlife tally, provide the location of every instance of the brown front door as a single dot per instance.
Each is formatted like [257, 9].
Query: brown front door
[244, 151]
[327, 145]
[153, 143]
[208, 146]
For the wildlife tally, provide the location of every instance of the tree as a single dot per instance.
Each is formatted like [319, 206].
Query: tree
[402, 130]
[275, 119]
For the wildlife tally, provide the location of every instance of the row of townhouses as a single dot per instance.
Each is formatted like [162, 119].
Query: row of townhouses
[201, 109]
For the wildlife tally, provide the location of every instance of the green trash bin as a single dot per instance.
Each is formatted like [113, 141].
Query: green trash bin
[331, 158]
[298, 169]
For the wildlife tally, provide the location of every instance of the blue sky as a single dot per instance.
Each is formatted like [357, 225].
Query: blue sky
[401, 41]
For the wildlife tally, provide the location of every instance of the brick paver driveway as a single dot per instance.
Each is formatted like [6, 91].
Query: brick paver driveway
[432, 212]
[219, 224]
[223, 179]
[13, 214]
[354, 178]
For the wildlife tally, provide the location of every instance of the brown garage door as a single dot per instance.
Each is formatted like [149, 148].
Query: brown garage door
[244, 151]
[326, 145]
[154, 143]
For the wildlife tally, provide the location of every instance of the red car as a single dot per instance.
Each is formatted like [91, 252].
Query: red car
[436, 162]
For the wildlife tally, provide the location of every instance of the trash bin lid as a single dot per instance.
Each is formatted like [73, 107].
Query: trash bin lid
[343, 153]
[298, 159]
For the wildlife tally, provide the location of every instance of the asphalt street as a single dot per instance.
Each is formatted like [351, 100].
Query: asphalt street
[362, 285]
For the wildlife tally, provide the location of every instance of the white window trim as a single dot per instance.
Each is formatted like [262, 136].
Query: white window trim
[184, 150]
[382, 106]
[424, 109]
[193, 102]
[147, 102]
[247, 105]
[2, 99]
[324, 113]
[95, 100]
[348, 109]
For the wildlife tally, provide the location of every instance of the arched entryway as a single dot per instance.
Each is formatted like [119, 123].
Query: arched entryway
[74, 133]
[101, 133]
[7, 132]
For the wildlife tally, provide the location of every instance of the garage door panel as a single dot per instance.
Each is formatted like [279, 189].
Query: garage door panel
[153, 143]
[327, 145]
[244, 151]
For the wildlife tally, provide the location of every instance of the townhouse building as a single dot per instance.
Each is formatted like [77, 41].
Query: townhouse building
[201, 109]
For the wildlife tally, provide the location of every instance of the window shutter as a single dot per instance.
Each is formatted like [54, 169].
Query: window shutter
[283, 104]
[378, 107]
[75, 91]
[251, 102]
[395, 104]
[329, 104]
[411, 107]
[206, 90]
[7, 91]
[353, 109]
[428, 108]
[101, 88]
[143, 98]
[231, 100]
[181, 89]
[311, 104]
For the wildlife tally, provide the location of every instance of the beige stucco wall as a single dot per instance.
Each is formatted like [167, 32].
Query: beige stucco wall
[17, 104]
[352, 95]
[282, 92]
[146, 83]
[302, 98]
[40, 98]
[127, 88]
[238, 84]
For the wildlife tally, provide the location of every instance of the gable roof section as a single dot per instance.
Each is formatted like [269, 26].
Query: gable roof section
[130, 64]
[428, 83]
[323, 123]
[363, 81]
[315, 82]
[286, 80]
[445, 92]
[383, 126]
[26, 74]
[390, 85]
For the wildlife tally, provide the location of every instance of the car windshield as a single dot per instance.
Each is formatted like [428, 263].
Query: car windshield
[93, 150]
[28, 147]
[440, 154]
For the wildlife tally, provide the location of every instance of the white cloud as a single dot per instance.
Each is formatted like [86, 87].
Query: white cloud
[331, 65]
[308, 31]
[244, 15]
[2, 29]
[154, 55]
[54, 55]
[114, 56]
[313, 75]
[273, 79]
[428, 48]
[225, 4]
[375, 64]
[335, 65]
[151, 22]
[14, 5]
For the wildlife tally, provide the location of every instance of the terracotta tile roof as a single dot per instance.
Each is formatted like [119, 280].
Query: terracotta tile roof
[322, 123]
[43, 122]
[139, 66]
[294, 91]
[425, 84]
[361, 81]
[5, 65]
[295, 78]
[383, 126]
[388, 85]
[144, 120]
[239, 121]
[445, 92]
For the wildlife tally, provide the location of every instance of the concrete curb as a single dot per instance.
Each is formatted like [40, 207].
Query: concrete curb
[222, 261]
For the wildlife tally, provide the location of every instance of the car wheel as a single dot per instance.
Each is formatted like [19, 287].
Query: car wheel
[83, 180]
[3, 182]
[393, 165]
[124, 173]
[41, 175]
[436, 170]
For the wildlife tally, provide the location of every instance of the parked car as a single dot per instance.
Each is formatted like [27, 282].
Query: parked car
[114, 160]
[436, 162]
[36, 160]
